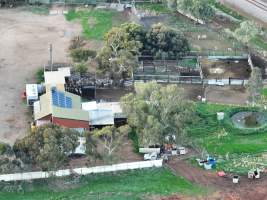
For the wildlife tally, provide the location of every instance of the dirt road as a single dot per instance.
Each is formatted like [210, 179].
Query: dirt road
[23, 49]
[256, 9]
[226, 190]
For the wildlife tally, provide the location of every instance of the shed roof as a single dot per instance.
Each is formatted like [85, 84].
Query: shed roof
[93, 105]
[56, 77]
[101, 117]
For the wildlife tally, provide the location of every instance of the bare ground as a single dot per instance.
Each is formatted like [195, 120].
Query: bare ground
[23, 49]
[227, 94]
[225, 189]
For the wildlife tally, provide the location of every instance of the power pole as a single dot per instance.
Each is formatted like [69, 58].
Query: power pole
[51, 57]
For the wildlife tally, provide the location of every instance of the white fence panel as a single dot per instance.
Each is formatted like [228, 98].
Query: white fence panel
[81, 171]
[224, 81]
[236, 82]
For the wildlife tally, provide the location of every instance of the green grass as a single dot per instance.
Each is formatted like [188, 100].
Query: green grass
[123, 185]
[39, 10]
[95, 23]
[225, 9]
[191, 63]
[155, 7]
[223, 141]
[219, 139]
[264, 92]
[259, 42]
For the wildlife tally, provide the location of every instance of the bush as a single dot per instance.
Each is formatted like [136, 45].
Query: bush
[40, 75]
[133, 136]
[77, 42]
[81, 68]
[5, 149]
[82, 55]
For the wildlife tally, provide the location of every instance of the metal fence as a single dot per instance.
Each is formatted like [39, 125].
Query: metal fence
[168, 79]
[229, 81]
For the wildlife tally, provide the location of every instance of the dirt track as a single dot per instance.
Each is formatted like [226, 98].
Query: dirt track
[23, 49]
[256, 9]
[226, 190]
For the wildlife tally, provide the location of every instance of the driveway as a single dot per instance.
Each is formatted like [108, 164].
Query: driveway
[25, 38]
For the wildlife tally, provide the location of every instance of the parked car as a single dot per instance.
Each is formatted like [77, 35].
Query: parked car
[151, 156]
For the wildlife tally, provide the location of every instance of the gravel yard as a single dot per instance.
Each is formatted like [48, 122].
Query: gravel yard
[25, 38]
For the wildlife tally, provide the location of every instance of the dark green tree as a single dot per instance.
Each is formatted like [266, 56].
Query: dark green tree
[200, 9]
[163, 42]
[156, 111]
[48, 146]
[118, 57]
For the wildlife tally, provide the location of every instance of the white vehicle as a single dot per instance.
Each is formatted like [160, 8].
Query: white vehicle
[220, 83]
[149, 150]
[151, 156]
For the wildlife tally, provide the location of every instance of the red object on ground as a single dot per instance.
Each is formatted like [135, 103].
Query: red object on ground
[221, 174]
[23, 95]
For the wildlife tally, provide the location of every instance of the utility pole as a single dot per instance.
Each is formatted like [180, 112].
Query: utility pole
[51, 57]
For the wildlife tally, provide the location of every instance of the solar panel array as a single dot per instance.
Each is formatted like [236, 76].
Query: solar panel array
[60, 99]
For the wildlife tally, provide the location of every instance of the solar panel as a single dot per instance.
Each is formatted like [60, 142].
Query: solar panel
[55, 97]
[60, 99]
[68, 102]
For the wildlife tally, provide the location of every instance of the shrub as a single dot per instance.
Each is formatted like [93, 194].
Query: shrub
[133, 136]
[77, 42]
[82, 55]
[40, 75]
[81, 68]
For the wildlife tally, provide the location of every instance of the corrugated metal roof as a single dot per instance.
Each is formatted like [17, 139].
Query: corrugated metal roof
[101, 117]
[93, 105]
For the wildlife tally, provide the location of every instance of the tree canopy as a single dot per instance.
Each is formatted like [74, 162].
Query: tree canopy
[163, 42]
[118, 58]
[198, 8]
[110, 138]
[48, 146]
[255, 85]
[157, 111]
[247, 31]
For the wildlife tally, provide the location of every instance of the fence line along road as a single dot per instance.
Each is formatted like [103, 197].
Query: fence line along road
[255, 8]
[80, 171]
